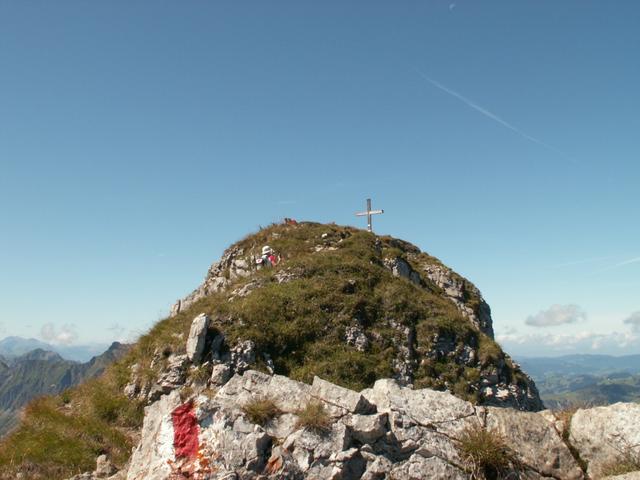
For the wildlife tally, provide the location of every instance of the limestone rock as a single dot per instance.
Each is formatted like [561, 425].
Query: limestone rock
[220, 374]
[355, 336]
[149, 459]
[536, 442]
[243, 355]
[424, 407]
[400, 268]
[419, 468]
[104, 468]
[232, 265]
[603, 435]
[340, 397]
[197, 338]
[388, 431]
[625, 476]
[367, 428]
[456, 289]
[171, 377]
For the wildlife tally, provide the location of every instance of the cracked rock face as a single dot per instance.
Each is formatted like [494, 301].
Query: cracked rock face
[457, 290]
[384, 432]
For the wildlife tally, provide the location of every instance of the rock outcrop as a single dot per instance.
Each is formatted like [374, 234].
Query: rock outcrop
[233, 264]
[455, 358]
[197, 338]
[384, 432]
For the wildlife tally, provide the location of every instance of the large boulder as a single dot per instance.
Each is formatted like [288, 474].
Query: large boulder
[536, 442]
[197, 338]
[605, 435]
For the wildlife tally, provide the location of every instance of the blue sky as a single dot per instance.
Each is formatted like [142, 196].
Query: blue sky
[139, 139]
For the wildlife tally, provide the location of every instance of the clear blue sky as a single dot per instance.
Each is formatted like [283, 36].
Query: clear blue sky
[139, 139]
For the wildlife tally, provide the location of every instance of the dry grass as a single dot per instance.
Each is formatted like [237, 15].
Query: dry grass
[314, 417]
[487, 455]
[261, 410]
[628, 461]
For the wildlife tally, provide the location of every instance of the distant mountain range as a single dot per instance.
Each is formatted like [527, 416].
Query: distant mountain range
[585, 379]
[16, 346]
[39, 372]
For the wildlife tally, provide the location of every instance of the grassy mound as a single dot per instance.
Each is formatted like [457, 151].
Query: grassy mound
[335, 278]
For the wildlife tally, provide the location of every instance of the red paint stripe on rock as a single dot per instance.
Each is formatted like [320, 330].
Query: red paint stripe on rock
[185, 431]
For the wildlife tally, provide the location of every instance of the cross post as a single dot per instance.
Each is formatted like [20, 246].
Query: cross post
[368, 214]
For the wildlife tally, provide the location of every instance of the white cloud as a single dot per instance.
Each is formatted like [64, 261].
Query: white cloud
[634, 321]
[121, 334]
[557, 315]
[582, 342]
[66, 335]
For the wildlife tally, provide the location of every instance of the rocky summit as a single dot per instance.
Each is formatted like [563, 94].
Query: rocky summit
[345, 356]
[353, 307]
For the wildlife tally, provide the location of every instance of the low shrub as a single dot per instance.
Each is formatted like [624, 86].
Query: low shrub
[261, 410]
[314, 417]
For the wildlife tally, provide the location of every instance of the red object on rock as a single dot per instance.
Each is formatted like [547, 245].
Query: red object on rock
[185, 431]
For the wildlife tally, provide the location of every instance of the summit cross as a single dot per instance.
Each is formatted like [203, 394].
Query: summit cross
[368, 214]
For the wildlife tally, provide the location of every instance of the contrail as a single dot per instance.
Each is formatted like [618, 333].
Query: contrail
[618, 265]
[489, 114]
[627, 262]
[581, 262]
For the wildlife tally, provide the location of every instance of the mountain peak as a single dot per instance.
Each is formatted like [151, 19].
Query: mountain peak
[351, 306]
[40, 354]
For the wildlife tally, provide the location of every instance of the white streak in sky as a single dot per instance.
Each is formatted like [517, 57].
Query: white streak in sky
[620, 264]
[627, 262]
[581, 262]
[488, 114]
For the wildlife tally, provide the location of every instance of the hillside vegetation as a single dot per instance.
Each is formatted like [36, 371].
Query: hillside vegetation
[40, 372]
[331, 280]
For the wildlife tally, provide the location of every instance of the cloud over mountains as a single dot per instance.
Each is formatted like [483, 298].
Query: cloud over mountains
[65, 335]
[634, 321]
[557, 315]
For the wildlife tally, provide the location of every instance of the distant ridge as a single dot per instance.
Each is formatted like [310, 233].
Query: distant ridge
[40, 372]
[585, 379]
[14, 346]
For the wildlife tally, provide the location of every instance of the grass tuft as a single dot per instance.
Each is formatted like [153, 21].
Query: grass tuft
[628, 461]
[487, 455]
[314, 417]
[261, 410]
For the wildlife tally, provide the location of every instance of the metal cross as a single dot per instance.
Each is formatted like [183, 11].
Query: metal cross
[368, 214]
